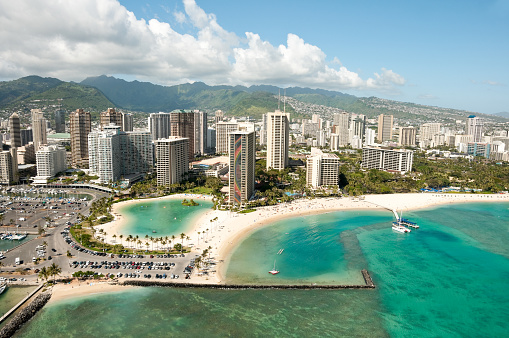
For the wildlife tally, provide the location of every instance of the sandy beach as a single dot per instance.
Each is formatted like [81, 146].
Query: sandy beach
[84, 288]
[221, 231]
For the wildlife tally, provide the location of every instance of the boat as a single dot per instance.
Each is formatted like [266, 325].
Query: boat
[396, 226]
[274, 271]
[153, 231]
[406, 222]
[3, 287]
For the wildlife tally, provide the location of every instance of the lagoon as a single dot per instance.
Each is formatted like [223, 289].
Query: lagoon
[166, 216]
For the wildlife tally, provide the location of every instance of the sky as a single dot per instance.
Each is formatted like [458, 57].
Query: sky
[452, 53]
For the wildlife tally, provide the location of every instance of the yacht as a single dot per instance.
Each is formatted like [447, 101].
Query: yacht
[396, 226]
[274, 271]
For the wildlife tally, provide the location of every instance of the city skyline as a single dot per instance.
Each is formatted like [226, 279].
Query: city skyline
[448, 55]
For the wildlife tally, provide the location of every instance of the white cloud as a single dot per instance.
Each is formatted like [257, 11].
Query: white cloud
[180, 17]
[74, 39]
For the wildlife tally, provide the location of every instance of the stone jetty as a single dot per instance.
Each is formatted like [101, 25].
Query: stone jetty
[24, 315]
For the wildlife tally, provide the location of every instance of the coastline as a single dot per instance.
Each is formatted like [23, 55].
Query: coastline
[222, 231]
[76, 289]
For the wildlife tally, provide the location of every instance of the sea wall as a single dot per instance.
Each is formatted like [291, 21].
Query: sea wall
[369, 285]
[25, 315]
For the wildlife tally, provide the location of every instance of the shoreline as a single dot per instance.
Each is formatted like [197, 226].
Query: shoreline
[77, 289]
[223, 231]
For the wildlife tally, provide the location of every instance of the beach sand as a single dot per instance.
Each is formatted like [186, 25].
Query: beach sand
[82, 288]
[221, 231]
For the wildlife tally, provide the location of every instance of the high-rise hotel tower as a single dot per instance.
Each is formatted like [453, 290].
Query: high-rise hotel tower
[278, 135]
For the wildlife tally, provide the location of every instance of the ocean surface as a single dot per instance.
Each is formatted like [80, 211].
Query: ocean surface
[166, 216]
[450, 278]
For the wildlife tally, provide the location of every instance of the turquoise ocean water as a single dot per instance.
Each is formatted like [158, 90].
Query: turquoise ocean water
[167, 217]
[447, 279]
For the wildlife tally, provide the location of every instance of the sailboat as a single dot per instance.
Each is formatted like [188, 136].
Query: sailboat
[274, 271]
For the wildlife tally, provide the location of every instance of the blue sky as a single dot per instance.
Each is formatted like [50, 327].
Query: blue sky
[444, 53]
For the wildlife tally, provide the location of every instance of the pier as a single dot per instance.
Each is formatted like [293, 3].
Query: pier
[367, 278]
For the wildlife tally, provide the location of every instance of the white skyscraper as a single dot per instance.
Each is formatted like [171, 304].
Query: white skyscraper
[242, 155]
[341, 123]
[50, 161]
[278, 135]
[223, 129]
[113, 153]
[172, 159]
[475, 127]
[200, 132]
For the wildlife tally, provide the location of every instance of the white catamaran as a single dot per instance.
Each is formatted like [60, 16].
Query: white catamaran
[274, 271]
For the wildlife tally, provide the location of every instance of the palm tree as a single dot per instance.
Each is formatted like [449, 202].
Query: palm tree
[114, 237]
[146, 243]
[120, 236]
[173, 239]
[199, 237]
[54, 270]
[182, 236]
[187, 239]
[139, 242]
[43, 273]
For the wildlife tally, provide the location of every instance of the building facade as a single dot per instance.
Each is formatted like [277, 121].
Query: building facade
[242, 155]
[182, 125]
[127, 122]
[407, 136]
[111, 116]
[322, 169]
[475, 127]
[15, 130]
[60, 121]
[172, 159]
[113, 153]
[200, 132]
[51, 160]
[385, 123]
[223, 130]
[278, 137]
[80, 125]
[395, 160]
[159, 125]
[6, 167]
[39, 129]
[27, 136]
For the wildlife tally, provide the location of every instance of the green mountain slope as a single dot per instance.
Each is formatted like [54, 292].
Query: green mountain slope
[72, 96]
[18, 90]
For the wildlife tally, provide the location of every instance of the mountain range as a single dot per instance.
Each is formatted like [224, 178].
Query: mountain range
[98, 93]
